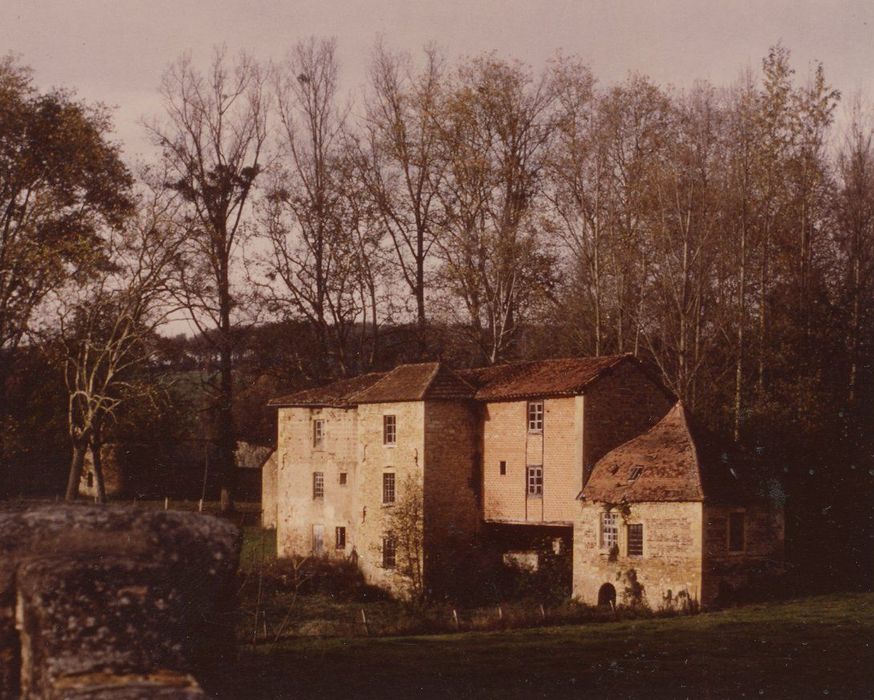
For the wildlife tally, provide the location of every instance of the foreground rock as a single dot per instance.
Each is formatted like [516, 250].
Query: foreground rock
[113, 602]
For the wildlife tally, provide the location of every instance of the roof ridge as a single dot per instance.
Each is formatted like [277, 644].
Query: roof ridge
[430, 379]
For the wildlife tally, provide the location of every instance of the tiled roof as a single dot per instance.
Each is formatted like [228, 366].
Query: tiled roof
[427, 380]
[337, 393]
[672, 461]
[563, 377]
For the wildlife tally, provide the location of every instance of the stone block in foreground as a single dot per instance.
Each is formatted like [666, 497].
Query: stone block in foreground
[113, 602]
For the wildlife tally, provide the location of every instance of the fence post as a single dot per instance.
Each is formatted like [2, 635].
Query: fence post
[542, 613]
[500, 613]
[455, 618]
[166, 502]
[364, 621]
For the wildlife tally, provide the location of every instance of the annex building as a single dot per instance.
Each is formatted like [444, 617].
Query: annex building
[414, 469]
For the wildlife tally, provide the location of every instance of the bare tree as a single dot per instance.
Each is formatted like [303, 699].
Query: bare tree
[497, 123]
[106, 328]
[401, 166]
[320, 260]
[405, 530]
[212, 141]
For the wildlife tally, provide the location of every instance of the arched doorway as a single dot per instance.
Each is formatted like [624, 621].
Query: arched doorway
[607, 596]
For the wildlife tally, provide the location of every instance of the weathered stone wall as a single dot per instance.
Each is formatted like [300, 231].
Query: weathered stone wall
[113, 602]
[620, 406]
[763, 553]
[269, 502]
[451, 482]
[297, 459]
[672, 554]
[406, 460]
[558, 449]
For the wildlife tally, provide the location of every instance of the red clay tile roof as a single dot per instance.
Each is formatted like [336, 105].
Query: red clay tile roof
[677, 462]
[427, 380]
[563, 377]
[337, 393]
[434, 380]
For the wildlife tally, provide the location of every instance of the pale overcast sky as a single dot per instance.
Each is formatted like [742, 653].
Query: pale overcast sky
[115, 50]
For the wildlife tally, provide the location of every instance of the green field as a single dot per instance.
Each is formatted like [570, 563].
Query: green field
[815, 647]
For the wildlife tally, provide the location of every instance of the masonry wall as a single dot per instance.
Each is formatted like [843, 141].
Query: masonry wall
[269, 504]
[452, 481]
[620, 406]
[672, 554]
[727, 572]
[406, 460]
[558, 449]
[298, 513]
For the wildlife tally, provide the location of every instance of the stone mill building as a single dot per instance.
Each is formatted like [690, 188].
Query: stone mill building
[506, 454]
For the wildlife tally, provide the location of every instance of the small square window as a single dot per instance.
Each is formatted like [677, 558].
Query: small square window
[389, 553]
[635, 473]
[389, 430]
[736, 539]
[318, 485]
[342, 478]
[535, 481]
[635, 540]
[503, 468]
[388, 488]
[318, 433]
[535, 416]
[340, 538]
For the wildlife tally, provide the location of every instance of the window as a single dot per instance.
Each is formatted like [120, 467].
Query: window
[635, 540]
[318, 433]
[736, 532]
[503, 467]
[340, 538]
[635, 473]
[535, 416]
[609, 531]
[342, 478]
[89, 480]
[318, 485]
[388, 487]
[535, 481]
[318, 540]
[389, 430]
[389, 553]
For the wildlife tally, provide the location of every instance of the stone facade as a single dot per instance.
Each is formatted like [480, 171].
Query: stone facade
[670, 566]
[269, 503]
[302, 518]
[465, 449]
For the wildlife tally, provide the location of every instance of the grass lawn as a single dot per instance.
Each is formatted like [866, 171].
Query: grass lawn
[815, 647]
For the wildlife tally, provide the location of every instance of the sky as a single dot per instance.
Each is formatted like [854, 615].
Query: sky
[115, 51]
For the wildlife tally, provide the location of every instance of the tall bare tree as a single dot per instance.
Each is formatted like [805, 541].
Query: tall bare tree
[212, 140]
[401, 165]
[497, 123]
[319, 264]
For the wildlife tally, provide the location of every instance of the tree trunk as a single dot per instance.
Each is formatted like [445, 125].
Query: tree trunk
[226, 441]
[76, 465]
[99, 480]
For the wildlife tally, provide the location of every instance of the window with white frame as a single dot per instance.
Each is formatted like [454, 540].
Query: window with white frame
[318, 432]
[318, 485]
[389, 430]
[609, 531]
[389, 553]
[634, 544]
[388, 488]
[736, 534]
[535, 416]
[535, 481]
[339, 538]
